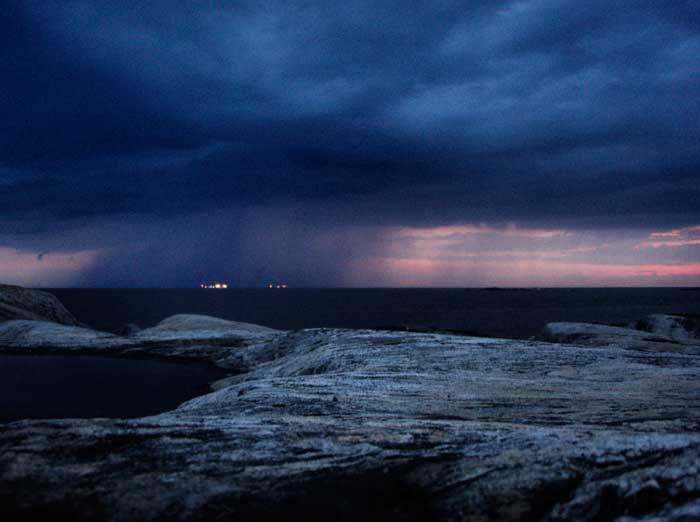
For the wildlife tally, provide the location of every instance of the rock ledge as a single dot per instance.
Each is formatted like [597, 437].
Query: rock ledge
[354, 424]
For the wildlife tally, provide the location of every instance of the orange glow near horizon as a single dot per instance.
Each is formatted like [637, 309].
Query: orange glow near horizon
[675, 243]
[681, 237]
[459, 255]
[36, 269]
[483, 255]
[426, 272]
[677, 232]
[462, 230]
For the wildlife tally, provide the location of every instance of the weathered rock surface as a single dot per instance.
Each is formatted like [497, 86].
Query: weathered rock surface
[23, 303]
[196, 337]
[130, 329]
[341, 424]
[677, 327]
[654, 333]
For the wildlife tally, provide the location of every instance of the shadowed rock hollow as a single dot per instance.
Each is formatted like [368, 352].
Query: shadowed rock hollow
[339, 424]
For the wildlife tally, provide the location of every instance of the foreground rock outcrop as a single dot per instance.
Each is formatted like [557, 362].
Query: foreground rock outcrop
[23, 303]
[355, 425]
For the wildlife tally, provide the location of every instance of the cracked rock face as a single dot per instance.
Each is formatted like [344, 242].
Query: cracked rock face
[22, 303]
[326, 424]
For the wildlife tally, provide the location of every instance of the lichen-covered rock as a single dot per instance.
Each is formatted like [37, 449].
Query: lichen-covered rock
[656, 333]
[190, 326]
[196, 337]
[229, 344]
[676, 327]
[366, 425]
[23, 303]
[35, 336]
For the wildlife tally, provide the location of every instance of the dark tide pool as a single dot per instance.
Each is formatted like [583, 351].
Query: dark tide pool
[81, 386]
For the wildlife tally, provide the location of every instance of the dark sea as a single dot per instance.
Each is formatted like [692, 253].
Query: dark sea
[509, 313]
[83, 386]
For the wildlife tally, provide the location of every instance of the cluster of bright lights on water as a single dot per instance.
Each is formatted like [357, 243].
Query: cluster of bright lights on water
[224, 286]
[217, 286]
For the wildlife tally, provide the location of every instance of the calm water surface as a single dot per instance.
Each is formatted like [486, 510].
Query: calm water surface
[514, 314]
[77, 386]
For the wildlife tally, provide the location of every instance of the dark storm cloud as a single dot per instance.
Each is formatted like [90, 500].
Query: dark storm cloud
[382, 113]
[516, 106]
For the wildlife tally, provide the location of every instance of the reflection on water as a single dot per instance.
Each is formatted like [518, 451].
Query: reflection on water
[70, 386]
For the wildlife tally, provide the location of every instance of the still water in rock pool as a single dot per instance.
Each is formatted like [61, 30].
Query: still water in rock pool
[71, 386]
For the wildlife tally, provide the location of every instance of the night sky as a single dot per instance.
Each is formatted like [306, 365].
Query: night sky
[354, 143]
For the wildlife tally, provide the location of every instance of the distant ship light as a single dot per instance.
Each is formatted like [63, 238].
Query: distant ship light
[215, 286]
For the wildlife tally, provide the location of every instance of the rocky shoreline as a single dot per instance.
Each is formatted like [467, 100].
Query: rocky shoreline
[589, 423]
[22, 303]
